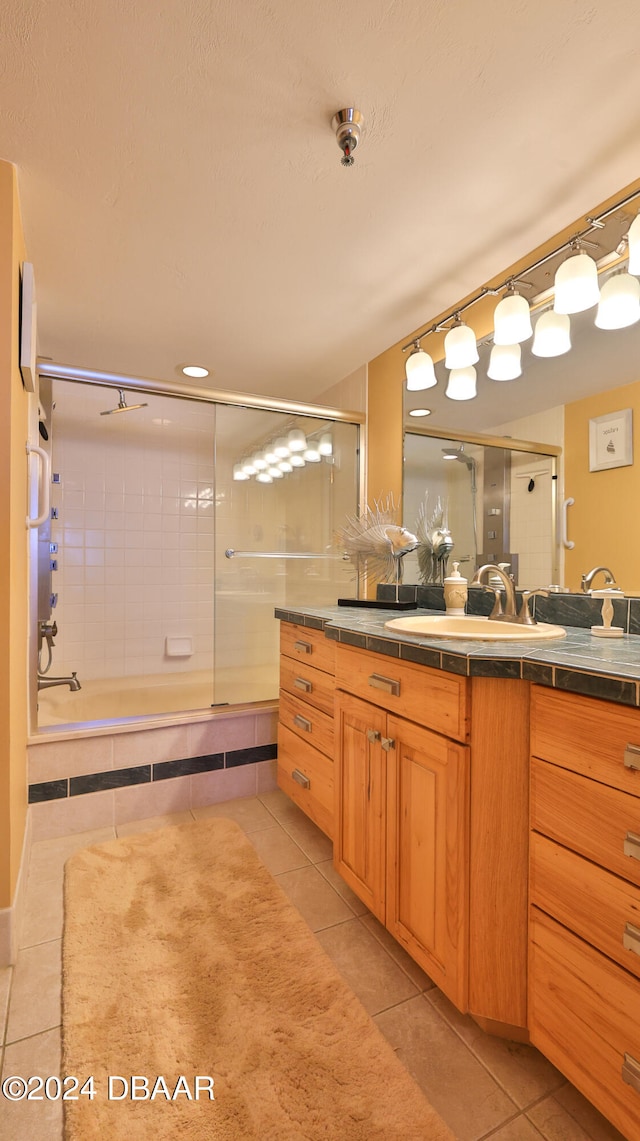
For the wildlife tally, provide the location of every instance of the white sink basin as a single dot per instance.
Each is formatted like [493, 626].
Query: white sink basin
[470, 628]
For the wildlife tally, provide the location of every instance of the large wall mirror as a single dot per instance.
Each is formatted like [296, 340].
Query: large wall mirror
[552, 402]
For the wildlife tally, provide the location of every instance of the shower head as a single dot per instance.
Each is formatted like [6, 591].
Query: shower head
[452, 453]
[123, 406]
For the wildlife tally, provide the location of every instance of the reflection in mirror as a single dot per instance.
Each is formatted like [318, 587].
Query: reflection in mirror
[499, 500]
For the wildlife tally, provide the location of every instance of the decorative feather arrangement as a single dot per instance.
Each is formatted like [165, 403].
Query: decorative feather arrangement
[375, 540]
[434, 541]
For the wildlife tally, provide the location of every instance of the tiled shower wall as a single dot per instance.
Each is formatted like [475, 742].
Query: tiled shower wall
[135, 533]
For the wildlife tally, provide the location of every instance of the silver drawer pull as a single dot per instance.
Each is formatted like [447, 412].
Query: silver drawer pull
[631, 1072]
[631, 938]
[373, 735]
[301, 778]
[632, 845]
[302, 723]
[378, 681]
[303, 647]
[303, 684]
[632, 757]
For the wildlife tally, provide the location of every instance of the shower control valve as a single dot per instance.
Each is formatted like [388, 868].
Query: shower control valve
[54, 512]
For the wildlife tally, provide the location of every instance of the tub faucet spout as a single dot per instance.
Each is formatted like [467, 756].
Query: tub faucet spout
[45, 682]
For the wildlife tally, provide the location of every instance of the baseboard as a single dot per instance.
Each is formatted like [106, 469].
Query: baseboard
[11, 917]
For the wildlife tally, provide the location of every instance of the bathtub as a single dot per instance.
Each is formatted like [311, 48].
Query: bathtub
[116, 699]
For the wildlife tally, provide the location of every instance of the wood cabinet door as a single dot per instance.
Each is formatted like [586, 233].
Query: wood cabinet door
[427, 853]
[360, 763]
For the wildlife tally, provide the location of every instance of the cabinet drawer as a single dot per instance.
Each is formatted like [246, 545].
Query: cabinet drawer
[583, 1017]
[596, 738]
[597, 821]
[600, 907]
[307, 722]
[306, 645]
[312, 785]
[313, 686]
[429, 697]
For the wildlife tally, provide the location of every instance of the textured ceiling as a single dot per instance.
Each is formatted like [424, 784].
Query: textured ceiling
[182, 192]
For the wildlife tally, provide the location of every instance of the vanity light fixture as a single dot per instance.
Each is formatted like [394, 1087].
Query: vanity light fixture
[512, 318]
[264, 477]
[552, 335]
[419, 370]
[275, 473]
[461, 347]
[505, 362]
[619, 304]
[285, 466]
[296, 440]
[462, 383]
[259, 462]
[270, 454]
[576, 282]
[325, 445]
[420, 412]
[312, 455]
[195, 370]
[281, 448]
[239, 473]
[249, 467]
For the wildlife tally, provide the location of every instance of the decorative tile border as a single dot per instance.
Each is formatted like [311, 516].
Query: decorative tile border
[147, 774]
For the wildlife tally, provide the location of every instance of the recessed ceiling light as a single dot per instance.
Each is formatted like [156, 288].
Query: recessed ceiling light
[420, 412]
[195, 370]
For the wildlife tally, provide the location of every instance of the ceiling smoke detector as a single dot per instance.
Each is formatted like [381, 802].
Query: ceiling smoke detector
[347, 125]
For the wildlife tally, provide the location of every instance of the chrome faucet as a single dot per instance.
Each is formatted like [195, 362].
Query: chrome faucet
[45, 682]
[587, 579]
[498, 614]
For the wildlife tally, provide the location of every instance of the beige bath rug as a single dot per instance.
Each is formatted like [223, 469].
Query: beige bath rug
[187, 973]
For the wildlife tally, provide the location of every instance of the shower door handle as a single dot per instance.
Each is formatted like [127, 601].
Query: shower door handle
[46, 479]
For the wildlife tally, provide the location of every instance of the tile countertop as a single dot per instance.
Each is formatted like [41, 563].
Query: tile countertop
[579, 663]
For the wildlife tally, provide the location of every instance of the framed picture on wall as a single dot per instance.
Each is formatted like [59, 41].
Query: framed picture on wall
[611, 440]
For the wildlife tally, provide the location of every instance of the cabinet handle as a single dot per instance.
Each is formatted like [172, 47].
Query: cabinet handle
[378, 681]
[631, 1072]
[373, 735]
[631, 938]
[301, 778]
[632, 757]
[388, 743]
[303, 647]
[303, 684]
[302, 723]
[632, 845]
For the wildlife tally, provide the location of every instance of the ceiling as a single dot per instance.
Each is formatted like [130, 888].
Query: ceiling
[181, 187]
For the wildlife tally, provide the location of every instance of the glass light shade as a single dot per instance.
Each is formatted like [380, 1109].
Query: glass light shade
[281, 448]
[248, 467]
[512, 320]
[552, 336]
[285, 466]
[259, 462]
[576, 284]
[634, 245]
[296, 440]
[461, 347]
[619, 302]
[296, 460]
[325, 447]
[312, 456]
[195, 370]
[264, 477]
[462, 383]
[239, 472]
[270, 455]
[504, 362]
[419, 411]
[419, 371]
[275, 473]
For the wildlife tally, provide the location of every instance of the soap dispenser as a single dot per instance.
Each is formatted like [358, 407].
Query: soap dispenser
[607, 630]
[455, 592]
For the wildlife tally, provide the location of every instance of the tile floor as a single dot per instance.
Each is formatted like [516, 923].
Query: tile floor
[482, 1086]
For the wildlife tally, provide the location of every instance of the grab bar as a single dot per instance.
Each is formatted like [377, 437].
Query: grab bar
[46, 482]
[231, 554]
[566, 542]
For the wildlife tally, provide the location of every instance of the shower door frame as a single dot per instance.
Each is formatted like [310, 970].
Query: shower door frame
[184, 392]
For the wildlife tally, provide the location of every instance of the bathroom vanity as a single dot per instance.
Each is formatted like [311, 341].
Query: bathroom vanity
[484, 802]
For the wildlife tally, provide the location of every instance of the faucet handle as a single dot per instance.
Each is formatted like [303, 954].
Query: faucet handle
[525, 615]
